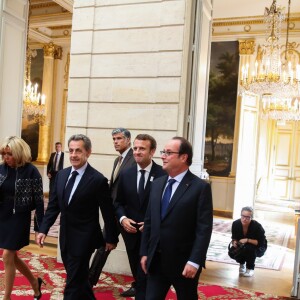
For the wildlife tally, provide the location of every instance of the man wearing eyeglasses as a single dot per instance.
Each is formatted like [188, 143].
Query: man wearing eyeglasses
[177, 226]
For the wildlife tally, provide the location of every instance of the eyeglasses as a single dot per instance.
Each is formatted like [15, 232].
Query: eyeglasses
[168, 153]
[246, 217]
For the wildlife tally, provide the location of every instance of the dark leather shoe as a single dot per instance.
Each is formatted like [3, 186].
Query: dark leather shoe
[129, 293]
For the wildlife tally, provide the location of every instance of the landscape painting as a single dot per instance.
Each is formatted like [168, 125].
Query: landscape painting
[222, 96]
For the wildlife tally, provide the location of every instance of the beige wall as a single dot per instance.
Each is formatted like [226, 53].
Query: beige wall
[130, 67]
[127, 60]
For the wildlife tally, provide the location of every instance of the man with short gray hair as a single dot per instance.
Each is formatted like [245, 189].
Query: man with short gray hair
[122, 143]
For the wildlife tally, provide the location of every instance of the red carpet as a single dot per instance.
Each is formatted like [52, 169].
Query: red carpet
[108, 287]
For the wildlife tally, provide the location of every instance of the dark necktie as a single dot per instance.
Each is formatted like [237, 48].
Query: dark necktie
[166, 198]
[69, 187]
[142, 185]
[55, 161]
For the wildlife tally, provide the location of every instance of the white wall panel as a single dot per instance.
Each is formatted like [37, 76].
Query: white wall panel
[12, 57]
[80, 65]
[142, 15]
[135, 90]
[136, 65]
[83, 18]
[79, 89]
[138, 40]
[147, 117]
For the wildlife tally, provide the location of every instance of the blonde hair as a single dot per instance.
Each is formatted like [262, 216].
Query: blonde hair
[19, 148]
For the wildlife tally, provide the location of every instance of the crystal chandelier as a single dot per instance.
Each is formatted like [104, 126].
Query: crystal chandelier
[275, 76]
[33, 101]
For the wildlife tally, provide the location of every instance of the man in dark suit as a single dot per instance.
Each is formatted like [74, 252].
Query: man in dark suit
[79, 192]
[178, 226]
[122, 143]
[55, 163]
[132, 201]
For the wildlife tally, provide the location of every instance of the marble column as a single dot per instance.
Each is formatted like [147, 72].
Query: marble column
[246, 51]
[198, 110]
[51, 51]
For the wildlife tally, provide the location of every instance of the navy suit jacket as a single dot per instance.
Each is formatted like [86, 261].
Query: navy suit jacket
[128, 202]
[184, 233]
[128, 162]
[80, 231]
[50, 167]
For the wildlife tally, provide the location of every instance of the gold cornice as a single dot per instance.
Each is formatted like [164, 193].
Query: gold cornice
[245, 21]
[258, 17]
[44, 5]
[243, 33]
[247, 46]
[61, 27]
[234, 21]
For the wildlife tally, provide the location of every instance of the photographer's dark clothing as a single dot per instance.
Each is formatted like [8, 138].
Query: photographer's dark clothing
[250, 252]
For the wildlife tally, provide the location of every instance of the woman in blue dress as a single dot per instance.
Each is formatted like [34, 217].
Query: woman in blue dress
[21, 191]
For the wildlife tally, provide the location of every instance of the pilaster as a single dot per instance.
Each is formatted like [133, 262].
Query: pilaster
[51, 51]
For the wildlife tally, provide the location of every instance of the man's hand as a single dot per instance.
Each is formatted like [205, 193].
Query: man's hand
[126, 223]
[109, 247]
[40, 238]
[189, 271]
[49, 175]
[144, 263]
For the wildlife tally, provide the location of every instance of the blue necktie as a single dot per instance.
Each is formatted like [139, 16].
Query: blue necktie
[166, 198]
[142, 185]
[69, 187]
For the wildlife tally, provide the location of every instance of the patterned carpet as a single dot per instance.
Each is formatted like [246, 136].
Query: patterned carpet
[277, 235]
[108, 287]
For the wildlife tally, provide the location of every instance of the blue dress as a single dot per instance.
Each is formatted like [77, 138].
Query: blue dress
[14, 228]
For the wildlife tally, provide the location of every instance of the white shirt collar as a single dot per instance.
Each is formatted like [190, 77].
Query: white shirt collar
[125, 153]
[147, 169]
[179, 177]
[80, 170]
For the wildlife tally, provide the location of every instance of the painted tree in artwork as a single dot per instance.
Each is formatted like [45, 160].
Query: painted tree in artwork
[222, 95]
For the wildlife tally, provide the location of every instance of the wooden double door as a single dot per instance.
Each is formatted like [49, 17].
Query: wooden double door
[284, 170]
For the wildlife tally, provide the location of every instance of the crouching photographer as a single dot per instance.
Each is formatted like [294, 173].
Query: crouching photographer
[248, 242]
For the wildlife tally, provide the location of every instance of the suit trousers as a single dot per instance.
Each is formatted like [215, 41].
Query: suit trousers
[159, 283]
[133, 253]
[77, 282]
[51, 183]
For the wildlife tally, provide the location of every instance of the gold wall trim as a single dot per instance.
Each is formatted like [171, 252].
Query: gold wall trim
[246, 47]
[61, 27]
[244, 21]
[43, 5]
[242, 33]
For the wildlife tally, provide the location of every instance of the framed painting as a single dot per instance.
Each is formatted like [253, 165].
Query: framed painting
[222, 96]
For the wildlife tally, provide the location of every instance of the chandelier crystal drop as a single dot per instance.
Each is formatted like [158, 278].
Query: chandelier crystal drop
[275, 75]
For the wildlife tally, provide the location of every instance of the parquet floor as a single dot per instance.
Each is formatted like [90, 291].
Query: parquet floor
[267, 281]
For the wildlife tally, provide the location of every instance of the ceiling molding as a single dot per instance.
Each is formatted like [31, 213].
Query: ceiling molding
[66, 4]
[51, 20]
[39, 37]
